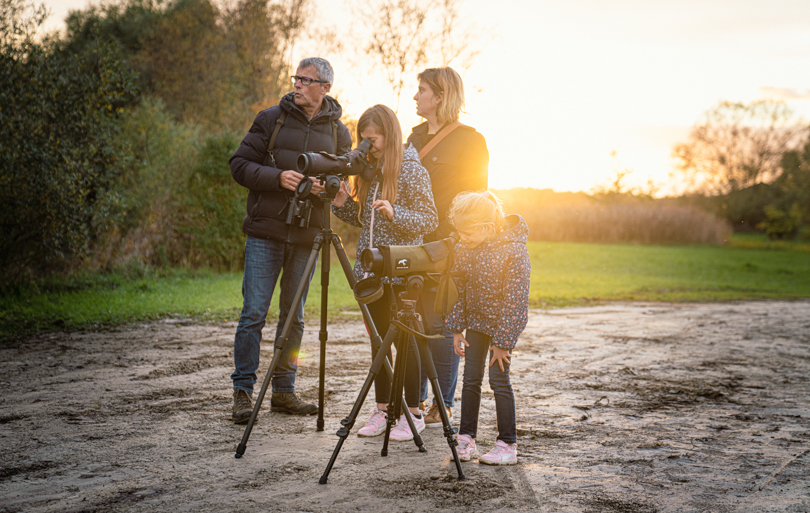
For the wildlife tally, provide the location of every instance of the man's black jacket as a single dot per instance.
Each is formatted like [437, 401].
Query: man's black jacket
[253, 167]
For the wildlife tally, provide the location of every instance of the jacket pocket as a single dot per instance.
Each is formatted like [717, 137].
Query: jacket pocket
[255, 210]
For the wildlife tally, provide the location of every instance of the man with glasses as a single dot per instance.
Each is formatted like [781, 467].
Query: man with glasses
[306, 119]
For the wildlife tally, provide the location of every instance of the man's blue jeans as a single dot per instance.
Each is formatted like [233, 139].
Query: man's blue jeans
[265, 260]
[476, 359]
[444, 358]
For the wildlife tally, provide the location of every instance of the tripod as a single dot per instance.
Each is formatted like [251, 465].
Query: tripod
[404, 328]
[321, 243]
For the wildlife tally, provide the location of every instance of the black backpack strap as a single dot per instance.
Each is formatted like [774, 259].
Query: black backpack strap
[279, 122]
[334, 135]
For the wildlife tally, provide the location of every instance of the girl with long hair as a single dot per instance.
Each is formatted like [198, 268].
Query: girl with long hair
[394, 208]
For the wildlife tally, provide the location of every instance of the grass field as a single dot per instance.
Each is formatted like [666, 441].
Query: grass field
[563, 274]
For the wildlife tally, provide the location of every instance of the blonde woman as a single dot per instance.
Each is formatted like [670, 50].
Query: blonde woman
[457, 160]
[394, 208]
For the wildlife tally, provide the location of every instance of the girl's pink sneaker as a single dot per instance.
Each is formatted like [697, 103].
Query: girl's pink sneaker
[501, 454]
[466, 447]
[375, 425]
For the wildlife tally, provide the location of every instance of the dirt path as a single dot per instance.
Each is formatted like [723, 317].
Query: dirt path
[621, 408]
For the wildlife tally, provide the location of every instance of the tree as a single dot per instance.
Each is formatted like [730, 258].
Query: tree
[58, 123]
[789, 210]
[738, 145]
[398, 38]
[404, 38]
[211, 63]
[19, 21]
[458, 43]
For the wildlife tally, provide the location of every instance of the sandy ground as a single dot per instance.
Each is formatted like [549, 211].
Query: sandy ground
[621, 408]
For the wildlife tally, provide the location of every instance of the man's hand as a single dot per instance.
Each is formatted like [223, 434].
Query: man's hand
[385, 207]
[289, 179]
[499, 355]
[460, 344]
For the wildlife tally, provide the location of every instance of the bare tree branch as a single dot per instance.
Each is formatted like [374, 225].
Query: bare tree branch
[737, 145]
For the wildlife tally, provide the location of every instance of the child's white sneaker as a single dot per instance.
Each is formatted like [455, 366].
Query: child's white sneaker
[375, 425]
[466, 447]
[501, 454]
[402, 431]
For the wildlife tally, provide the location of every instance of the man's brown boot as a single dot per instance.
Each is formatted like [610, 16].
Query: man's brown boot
[289, 402]
[242, 407]
[433, 419]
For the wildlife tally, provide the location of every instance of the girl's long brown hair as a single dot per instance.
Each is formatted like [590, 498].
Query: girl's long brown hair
[382, 119]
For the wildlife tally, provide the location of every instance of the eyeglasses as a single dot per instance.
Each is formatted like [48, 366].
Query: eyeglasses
[306, 80]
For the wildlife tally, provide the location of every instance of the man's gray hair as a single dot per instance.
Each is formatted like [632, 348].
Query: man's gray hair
[325, 71]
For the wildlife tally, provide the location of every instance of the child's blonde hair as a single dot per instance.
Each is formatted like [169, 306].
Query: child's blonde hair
[476, 209]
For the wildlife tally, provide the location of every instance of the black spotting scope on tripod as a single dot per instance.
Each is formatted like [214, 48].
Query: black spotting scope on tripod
[406, 328]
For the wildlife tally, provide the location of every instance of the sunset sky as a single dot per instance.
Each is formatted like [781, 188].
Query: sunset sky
[559, 85]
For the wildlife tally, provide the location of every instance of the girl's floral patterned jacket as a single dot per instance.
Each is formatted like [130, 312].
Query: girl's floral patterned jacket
[494, 286]
[414, 212]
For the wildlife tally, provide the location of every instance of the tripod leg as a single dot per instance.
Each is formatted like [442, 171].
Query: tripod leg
[323, 334]
[427, 361]
[376, 340]
[347, 423]
[397, 404]
[280, 342]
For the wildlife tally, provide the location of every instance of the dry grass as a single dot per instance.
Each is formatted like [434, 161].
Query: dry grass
[641, 223]
[577, 217]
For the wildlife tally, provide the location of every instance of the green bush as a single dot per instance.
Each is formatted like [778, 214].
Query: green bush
[214, 207]
[58, 158]
[146, 203]
[779, 224]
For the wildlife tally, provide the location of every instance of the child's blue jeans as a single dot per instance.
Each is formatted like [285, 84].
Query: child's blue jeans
[475, 361]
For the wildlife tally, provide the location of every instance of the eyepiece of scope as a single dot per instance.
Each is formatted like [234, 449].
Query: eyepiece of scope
[371, 260]
[303, 163]
[364, 146]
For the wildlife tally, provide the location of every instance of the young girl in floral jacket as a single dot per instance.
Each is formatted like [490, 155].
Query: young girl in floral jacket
[394, 209]
[493, 261]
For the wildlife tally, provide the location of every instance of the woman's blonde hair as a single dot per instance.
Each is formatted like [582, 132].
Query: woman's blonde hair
[384, 121]
[476, 210]
[445, 82]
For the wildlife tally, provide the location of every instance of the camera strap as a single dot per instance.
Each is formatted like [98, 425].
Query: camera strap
[444, 132]
[371, 223]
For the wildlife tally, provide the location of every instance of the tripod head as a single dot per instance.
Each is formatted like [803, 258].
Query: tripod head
[331, 186]
[414, 284]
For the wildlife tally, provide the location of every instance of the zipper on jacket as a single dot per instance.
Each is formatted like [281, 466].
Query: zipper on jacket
[306, 139]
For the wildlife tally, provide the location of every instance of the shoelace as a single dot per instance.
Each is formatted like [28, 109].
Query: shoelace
[499, 449]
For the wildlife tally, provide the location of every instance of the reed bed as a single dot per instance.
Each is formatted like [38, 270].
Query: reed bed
[648, 222]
